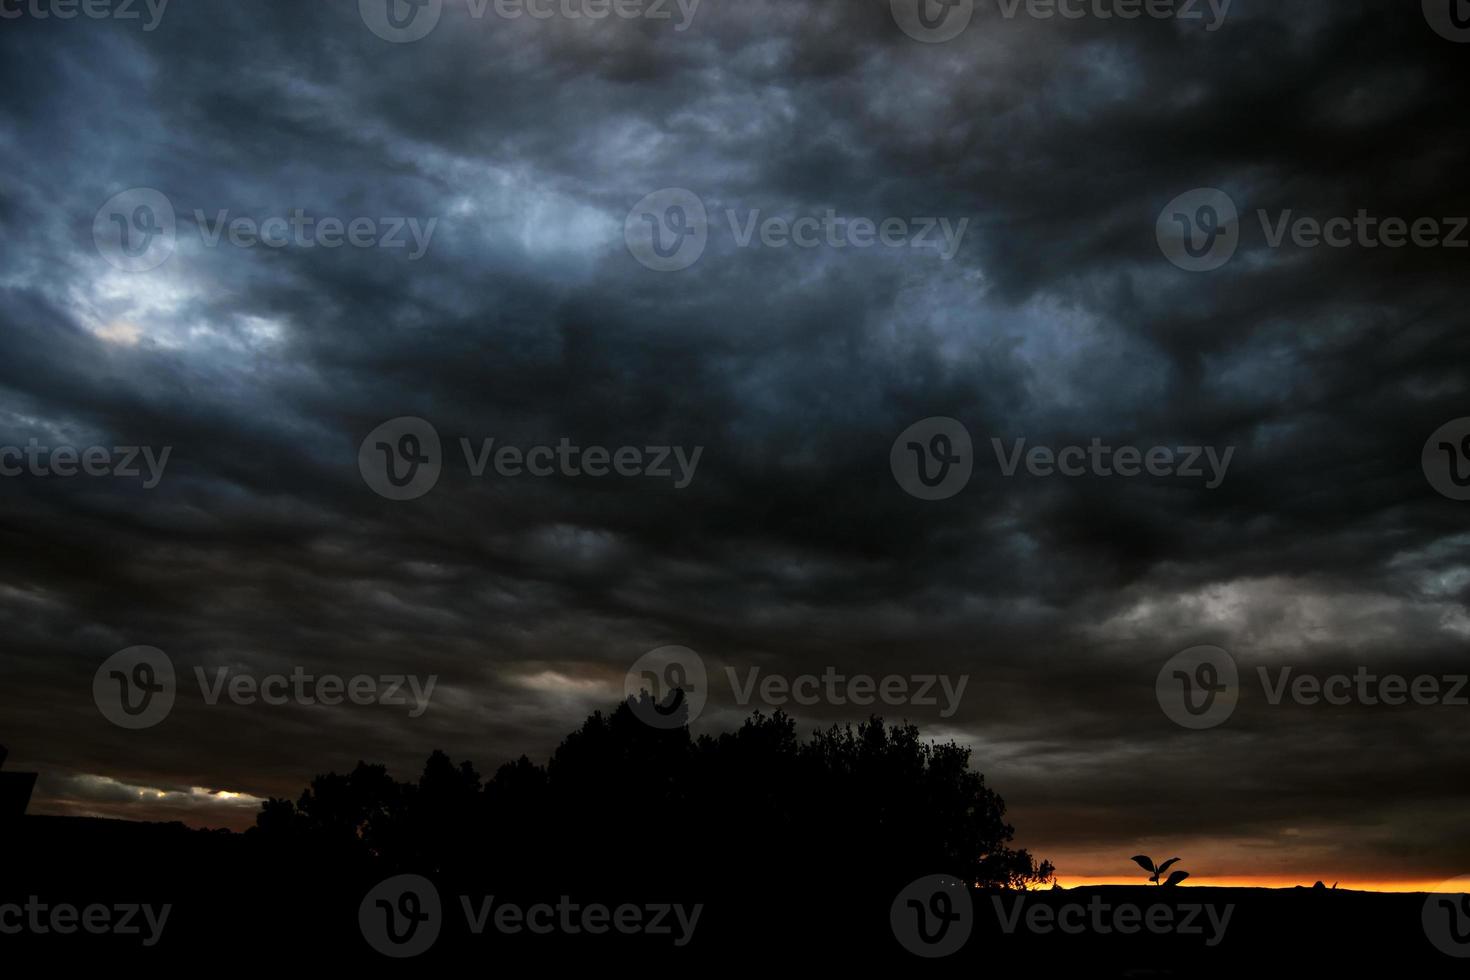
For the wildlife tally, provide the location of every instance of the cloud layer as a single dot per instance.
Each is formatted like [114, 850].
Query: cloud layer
[528, 320]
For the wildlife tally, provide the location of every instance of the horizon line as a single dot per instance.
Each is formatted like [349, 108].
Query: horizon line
[1274, 881]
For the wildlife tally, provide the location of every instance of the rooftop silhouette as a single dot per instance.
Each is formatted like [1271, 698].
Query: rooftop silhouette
[15, 789]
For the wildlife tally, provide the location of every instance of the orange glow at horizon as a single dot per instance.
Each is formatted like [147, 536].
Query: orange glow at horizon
[1268, 881]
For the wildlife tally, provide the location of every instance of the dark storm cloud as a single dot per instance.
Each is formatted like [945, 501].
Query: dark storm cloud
[527, 319]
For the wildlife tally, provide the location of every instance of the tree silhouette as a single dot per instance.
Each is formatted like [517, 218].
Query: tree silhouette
[624, 802]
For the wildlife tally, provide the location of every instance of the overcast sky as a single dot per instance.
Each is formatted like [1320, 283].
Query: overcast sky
[1024, 291]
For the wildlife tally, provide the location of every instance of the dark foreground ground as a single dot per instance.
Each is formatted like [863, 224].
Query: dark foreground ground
[234, 908]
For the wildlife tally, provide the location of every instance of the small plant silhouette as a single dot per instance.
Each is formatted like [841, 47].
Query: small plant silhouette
[1146, 863]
